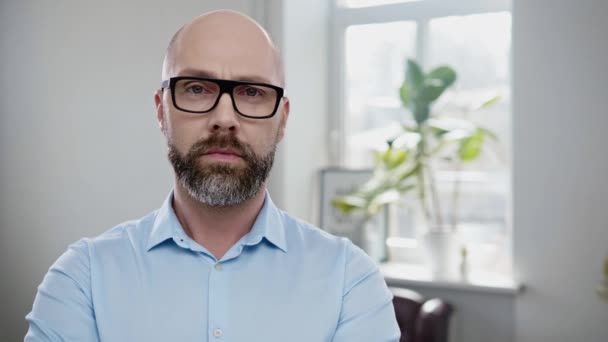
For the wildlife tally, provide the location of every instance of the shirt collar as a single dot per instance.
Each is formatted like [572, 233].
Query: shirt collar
[268, 225]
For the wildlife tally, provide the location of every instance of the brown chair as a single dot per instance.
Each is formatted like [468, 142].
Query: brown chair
[421, 320]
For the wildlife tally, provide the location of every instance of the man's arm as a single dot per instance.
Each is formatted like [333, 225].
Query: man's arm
[367, 308]
[63, 309]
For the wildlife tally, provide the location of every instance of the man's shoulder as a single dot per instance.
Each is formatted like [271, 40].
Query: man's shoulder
[132, 233]
[318, 247]
[310, 238]
[301, 230]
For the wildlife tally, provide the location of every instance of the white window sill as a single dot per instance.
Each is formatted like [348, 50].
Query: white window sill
[404, 275]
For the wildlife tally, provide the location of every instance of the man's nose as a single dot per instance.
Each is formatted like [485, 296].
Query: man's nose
[224, 116]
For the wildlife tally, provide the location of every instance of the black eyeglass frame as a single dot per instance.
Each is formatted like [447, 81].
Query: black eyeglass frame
[226, 86]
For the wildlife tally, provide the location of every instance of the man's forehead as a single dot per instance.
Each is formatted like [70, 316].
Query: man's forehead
[225, 60]
[234, 46]
[243, 76]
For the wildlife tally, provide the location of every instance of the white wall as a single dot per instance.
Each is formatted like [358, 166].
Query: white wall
[305, 49]
[80, 149]
[560, 120]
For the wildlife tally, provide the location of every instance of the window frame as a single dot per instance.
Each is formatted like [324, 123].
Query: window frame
[420, 11]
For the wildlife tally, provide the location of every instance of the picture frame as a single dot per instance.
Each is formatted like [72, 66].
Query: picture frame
[370, 235]
[335, 182]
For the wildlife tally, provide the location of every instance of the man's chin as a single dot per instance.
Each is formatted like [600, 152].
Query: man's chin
[221, 169]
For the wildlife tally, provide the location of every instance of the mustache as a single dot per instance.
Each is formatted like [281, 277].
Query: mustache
[203, 146]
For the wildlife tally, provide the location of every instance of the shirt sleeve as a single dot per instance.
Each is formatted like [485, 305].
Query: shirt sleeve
[367, 303]
[63, 309]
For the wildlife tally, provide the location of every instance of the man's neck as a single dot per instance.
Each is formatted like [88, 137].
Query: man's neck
[216, 229]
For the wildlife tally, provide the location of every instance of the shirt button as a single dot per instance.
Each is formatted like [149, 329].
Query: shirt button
[218, 266]
[218, 332]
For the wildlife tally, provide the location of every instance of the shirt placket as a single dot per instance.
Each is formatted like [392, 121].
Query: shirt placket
[218, 329]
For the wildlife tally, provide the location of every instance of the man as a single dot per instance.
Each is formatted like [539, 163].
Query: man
[218, 261]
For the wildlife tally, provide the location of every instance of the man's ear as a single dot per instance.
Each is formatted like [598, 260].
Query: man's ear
[160, 113]
[284, 117]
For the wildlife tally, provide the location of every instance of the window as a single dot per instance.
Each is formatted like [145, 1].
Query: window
[372, 40]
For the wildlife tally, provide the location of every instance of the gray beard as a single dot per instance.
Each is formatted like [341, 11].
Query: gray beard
[221, 190]
[221, 185]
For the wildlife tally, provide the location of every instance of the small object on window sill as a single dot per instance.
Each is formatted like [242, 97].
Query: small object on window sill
[464, 267]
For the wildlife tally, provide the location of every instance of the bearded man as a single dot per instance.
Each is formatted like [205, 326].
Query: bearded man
[218, 261]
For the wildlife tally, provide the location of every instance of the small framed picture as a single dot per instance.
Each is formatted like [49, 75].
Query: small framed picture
[336, 182]
[369, 234]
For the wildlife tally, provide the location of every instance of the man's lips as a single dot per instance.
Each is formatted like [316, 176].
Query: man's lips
[223, 154]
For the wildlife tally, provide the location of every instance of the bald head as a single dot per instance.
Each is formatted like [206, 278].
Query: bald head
[224, 35]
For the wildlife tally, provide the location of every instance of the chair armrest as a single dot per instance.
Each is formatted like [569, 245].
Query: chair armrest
[407, 305]
[433, 321]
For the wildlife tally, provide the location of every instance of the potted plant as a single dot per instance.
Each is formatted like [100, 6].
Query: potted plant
[409, 161]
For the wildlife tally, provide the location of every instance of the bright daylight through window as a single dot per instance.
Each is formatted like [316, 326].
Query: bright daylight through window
[469, 192]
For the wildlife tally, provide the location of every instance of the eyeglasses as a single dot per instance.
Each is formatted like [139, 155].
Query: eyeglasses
[201, 95]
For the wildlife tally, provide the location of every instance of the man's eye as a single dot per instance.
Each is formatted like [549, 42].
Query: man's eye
[252, 91]
[196, 89]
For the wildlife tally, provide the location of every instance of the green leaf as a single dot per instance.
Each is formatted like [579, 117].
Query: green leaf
[490, 102]
[404, 94]
[470, 148]
[430, 92]
[445, 74]
[436, 82]
[413, 74]
[394, 157]
[421, 112]
[348, 204]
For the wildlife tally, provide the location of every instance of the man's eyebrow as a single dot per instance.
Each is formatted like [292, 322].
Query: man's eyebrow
[253, 79]
[210, 74]
[197, 73]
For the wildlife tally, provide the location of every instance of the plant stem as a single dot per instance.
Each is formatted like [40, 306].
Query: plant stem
[422, 195]
[456, 198]
[421, 181]
[434, 197]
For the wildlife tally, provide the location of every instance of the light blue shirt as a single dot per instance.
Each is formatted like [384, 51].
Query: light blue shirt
[146, 280]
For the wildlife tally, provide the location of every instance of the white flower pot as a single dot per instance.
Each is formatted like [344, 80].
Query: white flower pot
[442, 250]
